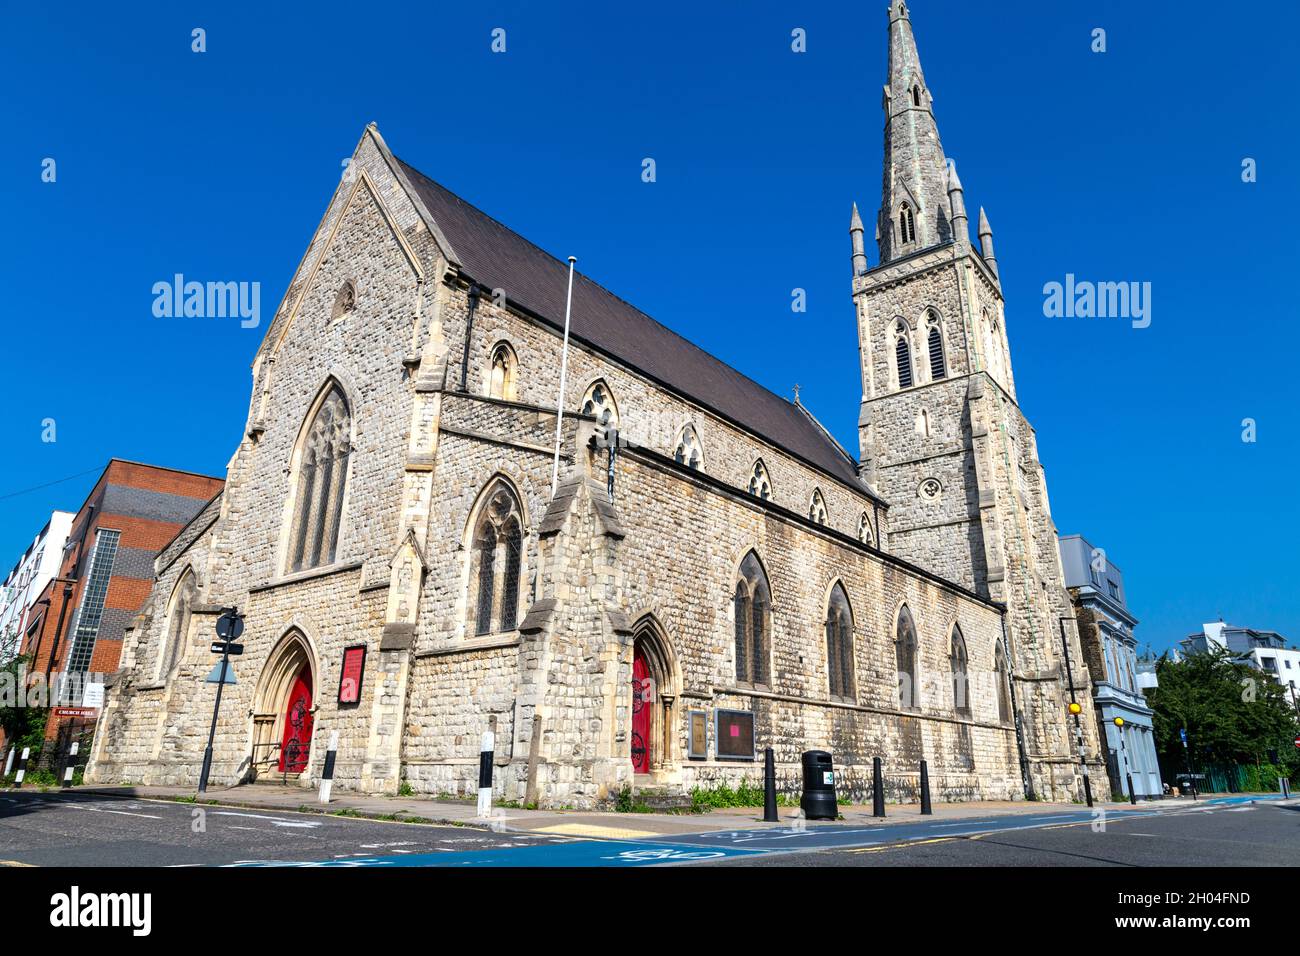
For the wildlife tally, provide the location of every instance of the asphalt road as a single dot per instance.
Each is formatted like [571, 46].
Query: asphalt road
[82, 829]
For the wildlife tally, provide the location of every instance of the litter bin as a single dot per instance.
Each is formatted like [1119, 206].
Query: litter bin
[818, 801]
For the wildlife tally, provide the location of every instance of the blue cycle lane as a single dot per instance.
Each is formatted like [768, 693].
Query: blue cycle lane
[722, 844]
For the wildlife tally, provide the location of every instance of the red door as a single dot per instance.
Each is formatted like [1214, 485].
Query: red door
[642, 701]
[297, 725]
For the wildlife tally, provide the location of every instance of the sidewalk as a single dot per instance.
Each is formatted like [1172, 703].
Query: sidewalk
[591, 823]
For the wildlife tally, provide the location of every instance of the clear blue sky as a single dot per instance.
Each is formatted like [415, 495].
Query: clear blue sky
[1117, 166]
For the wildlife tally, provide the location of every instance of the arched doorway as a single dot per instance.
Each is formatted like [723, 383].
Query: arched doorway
[653, 697]
[283, 709]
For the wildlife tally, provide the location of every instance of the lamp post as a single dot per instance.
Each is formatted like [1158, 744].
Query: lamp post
[1076, 709]
[1123, 749]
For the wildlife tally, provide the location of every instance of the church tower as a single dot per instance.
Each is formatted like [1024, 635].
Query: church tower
[942, 434]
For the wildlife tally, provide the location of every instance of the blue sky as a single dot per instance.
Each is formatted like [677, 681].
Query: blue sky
[1117, 166]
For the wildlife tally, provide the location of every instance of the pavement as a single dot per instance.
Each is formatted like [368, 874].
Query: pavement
[260, 826]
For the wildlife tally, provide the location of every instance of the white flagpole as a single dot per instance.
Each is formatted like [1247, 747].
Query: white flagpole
[564, 368]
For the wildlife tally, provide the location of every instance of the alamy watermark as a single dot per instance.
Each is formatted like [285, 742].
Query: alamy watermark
[208, 300]
[1083, 299]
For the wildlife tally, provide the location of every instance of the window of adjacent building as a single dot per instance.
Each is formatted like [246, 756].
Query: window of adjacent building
[905, 660]
[1269, 664]
[503, 373]
[322, 479]
[752, 604]
[688, 448]
[496, 560]
[817, 508]
[91, 611]
[839, 643]
[759, 484]
[1114, 589]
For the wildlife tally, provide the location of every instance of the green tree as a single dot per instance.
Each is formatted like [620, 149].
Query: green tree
[23, 726]
[1233, 714]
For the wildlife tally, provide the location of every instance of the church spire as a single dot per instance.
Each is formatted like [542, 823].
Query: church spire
[914, 208]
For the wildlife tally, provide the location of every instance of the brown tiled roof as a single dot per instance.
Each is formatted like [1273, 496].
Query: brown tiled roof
[498, 258]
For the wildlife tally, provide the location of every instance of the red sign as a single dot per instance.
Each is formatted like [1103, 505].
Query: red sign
[1297, 743]
[89, 712]
[354, 668]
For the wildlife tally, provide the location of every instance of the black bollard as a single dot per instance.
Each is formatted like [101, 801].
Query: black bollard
[877, 789]
[925, 790]
[769, 787]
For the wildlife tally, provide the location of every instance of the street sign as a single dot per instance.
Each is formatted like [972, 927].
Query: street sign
[1297, 743]
[93, 695]
[230, 626]
[214, 675]
[224, 647]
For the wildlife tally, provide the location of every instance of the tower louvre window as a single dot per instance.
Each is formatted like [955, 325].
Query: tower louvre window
[903, 356]
[937, 369]
[906, 224]
[916, 96]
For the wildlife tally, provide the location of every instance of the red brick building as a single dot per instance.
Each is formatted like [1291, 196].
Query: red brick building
[77, 623]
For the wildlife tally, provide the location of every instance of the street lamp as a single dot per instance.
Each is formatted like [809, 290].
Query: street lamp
[1132, 797]
[1075, 710]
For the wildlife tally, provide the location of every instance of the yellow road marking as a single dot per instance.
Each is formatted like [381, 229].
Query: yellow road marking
[15, 863]
[899, 846]
[583, 829]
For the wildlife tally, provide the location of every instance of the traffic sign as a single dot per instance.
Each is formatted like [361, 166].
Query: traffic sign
[227, 647]
[214, 675]
[230, 625]
[1297, 743]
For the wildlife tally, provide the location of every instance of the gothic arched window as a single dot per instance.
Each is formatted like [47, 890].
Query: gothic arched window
[502, 373]
[497, 557]
[322, 463]
[906, 224]
[865, 534]
[916, 96]
[1004, 685]
[752, 603]
[817, 507]
[688, 448]
[905, 659]
[960, 674]
[599, 403]
[934, 341]
[179, 611]
[759, 484]
[902, 355]
[839, 643]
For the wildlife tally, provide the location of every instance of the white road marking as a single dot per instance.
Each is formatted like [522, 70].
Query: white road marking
[125, 813]
[276, 821]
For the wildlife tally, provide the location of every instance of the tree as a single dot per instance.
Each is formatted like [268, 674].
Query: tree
[1233, 714]
[23, 725]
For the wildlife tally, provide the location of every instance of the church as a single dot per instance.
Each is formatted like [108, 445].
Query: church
[700, 573]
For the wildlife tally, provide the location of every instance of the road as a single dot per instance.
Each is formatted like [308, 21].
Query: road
[82, 829]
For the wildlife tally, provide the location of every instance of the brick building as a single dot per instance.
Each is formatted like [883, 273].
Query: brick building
[75, 626]
[710, 575]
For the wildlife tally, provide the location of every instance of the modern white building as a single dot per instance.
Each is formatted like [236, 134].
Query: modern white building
[1265, 651]
[24, 583]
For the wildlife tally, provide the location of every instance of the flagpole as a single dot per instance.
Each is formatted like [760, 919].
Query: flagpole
[564, 368]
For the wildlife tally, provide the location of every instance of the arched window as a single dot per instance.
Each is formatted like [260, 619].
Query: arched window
[688, 448]
[752, 604]
[839, 643]
[1004, 686]
[345, 300]
[599, 403]
[496, 562]
[902, 355]
[906, 224]
[759, 485]
[905, 658]
[916, 96]
[502, 373]
[322, 478]
[865, 534]
[960, 676]
[817, 507]
[934, 340]
[178, 622]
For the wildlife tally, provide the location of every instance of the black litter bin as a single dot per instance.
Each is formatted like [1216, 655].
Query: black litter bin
[818, 801]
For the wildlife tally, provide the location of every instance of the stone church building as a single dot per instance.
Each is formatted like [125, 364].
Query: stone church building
[706, 574]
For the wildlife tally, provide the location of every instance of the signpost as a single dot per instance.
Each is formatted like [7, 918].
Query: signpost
[229, 627]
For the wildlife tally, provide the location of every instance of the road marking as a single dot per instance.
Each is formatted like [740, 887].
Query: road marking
[900, 846]
[591, 830]
[125, 813]
[16, 863]
[277, 821]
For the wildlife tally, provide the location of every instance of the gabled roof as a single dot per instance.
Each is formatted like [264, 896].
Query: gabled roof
[499, 258]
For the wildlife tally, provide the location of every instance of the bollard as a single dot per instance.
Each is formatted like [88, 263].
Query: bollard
[9, 761]
[877, 789]
[327, 775]
[72, 765]
[485, 774]
[769, 787]
[926, 811]
[22, 767]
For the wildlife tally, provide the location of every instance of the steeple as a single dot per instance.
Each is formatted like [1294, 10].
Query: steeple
[914, 209]
[957, 200]
[986, 244]
[859, 249]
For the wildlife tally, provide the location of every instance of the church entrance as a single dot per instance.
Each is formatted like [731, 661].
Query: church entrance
[653, 694]
[296, 743]
[642, 715]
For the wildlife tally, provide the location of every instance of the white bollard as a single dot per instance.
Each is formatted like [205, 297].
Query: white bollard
[327, 776]
[9, 761]
[72, 765]
[485, 774]
[22, 767]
